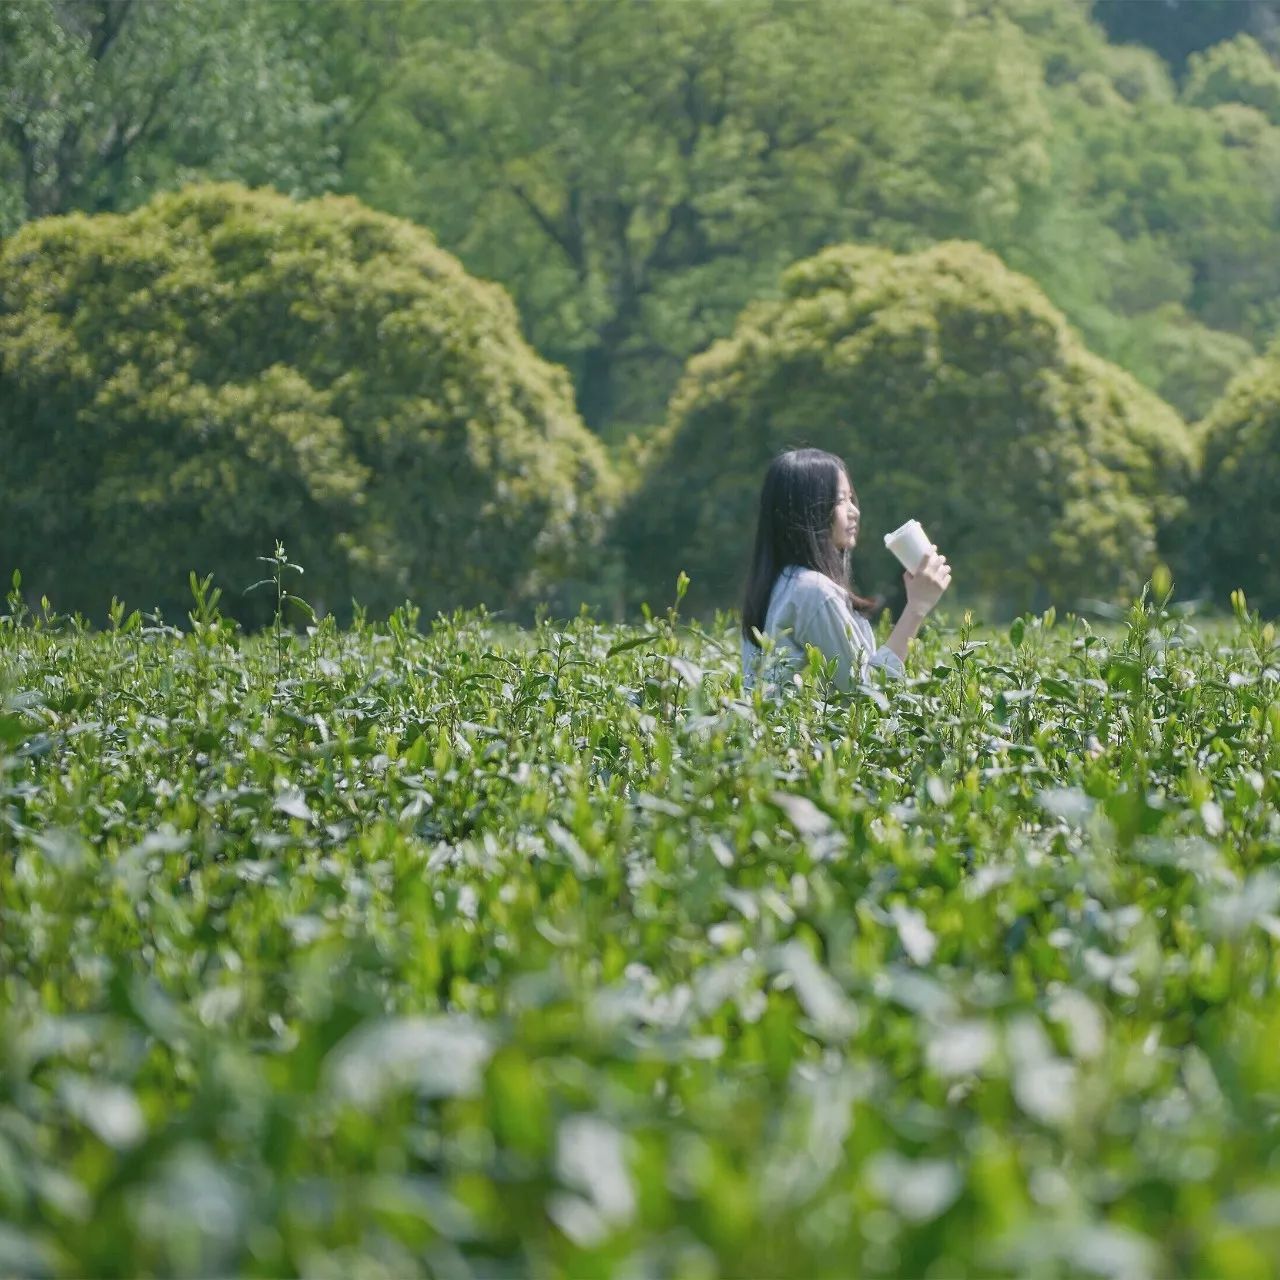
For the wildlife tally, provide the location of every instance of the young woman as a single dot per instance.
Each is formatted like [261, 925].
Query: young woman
[798, 591]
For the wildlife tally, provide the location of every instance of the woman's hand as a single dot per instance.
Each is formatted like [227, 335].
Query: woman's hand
[924, 589]
[926, 585]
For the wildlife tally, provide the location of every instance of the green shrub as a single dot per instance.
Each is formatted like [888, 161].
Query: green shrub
[957, 394]
[1237, 512]
[182, 386]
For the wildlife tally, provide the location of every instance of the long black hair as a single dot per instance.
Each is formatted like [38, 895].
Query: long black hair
[797, 507]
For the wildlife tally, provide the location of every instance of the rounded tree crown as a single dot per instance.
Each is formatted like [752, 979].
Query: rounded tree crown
[183, 385]
[957, 395]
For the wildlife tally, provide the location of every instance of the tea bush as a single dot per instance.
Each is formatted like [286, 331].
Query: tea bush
[183, 385]
[957, 394]
[468, 951]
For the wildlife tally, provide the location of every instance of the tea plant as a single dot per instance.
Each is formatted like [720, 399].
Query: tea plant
[463, 950]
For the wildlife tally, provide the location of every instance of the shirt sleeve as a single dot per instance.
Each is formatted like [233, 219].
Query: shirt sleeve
[887, 660]
[834, 629]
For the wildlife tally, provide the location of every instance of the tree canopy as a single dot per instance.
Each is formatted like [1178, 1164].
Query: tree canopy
[102, 102]
[635, 174]
[183, 385]
[957, 394]
[1236, 516]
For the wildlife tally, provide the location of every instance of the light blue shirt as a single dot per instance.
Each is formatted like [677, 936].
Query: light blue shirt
[807, 608]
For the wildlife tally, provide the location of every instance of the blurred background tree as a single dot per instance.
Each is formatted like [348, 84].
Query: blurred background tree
[1236, 71]
[104, 101]
[182, 386]
[952, 387]
[636, 174]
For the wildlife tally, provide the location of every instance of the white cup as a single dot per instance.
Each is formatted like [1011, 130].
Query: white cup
[910, 544]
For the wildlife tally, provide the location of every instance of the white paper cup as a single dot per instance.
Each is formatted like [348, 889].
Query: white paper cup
[910, 544]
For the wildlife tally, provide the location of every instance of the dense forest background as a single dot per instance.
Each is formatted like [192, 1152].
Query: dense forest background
[635, 174]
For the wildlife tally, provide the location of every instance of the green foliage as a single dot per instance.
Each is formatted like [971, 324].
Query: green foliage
[479, 952]
[957, 394]
[184, 386]
[1236, 517]
[1190, 363]
[635, 174]
[1238, 70]
[1155, 231]
[103, 101]
[1176, 203]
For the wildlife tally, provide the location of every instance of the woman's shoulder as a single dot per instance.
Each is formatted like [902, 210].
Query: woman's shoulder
[814, 600]
[813, 584]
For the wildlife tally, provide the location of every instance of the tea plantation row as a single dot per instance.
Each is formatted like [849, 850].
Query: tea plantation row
[456, 950]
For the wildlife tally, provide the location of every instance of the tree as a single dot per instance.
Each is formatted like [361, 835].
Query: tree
[1177, 29]
[185, 385]
[1159, 236]
[104, 101]
[1189, 363]
[635, 173]
[958, 395]
[1237, 512]
[1238, 70]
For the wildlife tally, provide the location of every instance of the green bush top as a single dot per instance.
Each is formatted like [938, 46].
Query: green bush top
[182, 385]
[957, 393]
[1238, 502]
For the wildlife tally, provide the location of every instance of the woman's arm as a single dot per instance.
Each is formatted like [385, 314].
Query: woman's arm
[924, 590]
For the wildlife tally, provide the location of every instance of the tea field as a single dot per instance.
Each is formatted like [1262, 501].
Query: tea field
[455, 949]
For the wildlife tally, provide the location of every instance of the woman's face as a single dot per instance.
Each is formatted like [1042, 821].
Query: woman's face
[844, 523]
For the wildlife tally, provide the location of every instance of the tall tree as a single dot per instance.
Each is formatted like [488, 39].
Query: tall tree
[101, 101]
[635, 172]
